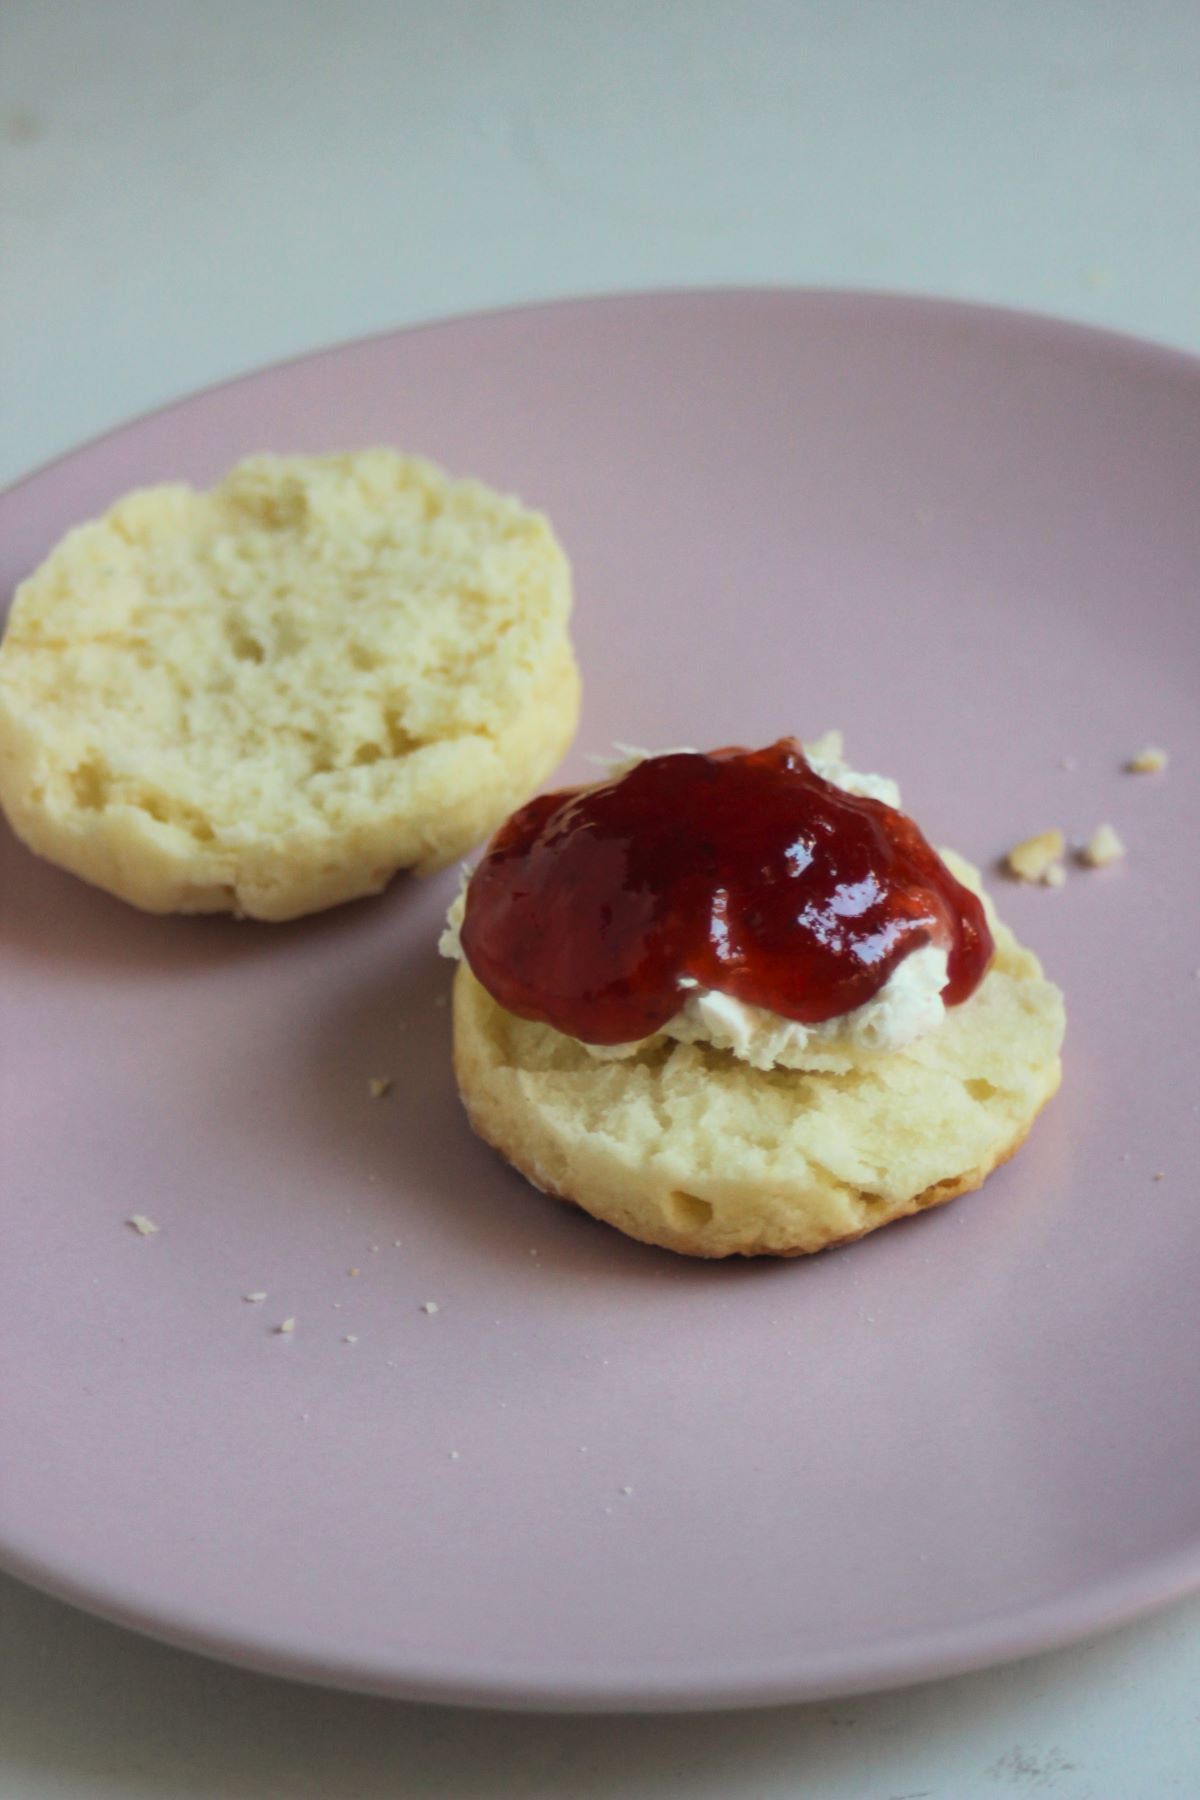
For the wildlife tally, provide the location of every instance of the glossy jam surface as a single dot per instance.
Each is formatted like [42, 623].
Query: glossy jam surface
[740, 870]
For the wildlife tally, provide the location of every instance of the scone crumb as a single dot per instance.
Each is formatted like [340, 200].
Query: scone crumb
[1032, 859]
[1151, 760]
[1102, 848]
[429, 1306]
[142, 1225]
[285, 1328]
[1055, 875]
[627, 1490]
[349, 1338]
[256, 1298]
[379, 1085]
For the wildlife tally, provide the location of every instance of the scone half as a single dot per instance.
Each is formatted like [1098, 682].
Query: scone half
[269, 697]
[692, 1149]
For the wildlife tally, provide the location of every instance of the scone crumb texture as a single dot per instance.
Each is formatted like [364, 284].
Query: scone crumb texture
[142, 1225]
[1151, 760]
[1034, 857]
[267, 698]
[1102, 848]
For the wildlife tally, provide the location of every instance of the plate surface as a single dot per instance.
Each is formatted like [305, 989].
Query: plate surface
[599, 1476]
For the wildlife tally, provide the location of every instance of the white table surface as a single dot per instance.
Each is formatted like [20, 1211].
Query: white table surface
[193, 187]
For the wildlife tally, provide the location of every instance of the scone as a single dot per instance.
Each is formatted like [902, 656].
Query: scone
[732, 1128]
[268, 698]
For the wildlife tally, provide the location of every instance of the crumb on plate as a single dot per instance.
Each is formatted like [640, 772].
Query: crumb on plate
[1102, 848]
[1034, 857]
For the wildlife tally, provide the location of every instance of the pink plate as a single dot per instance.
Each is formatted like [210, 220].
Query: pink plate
[596, 1475]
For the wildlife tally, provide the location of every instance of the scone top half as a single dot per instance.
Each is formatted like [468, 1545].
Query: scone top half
[736, 1004]
[269, 697]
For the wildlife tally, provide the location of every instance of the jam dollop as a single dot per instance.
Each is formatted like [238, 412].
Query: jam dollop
[739, 870]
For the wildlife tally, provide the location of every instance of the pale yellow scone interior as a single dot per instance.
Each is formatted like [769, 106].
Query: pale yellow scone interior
[691, 1148]
[268, 698]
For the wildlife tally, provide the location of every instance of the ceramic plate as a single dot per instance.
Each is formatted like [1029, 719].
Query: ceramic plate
[598, 1475]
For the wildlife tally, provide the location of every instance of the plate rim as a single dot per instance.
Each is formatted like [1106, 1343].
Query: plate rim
[890, 299]
[997, 1639]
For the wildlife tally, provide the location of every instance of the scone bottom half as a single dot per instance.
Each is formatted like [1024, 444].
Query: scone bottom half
[683, 1142]
[268, 698]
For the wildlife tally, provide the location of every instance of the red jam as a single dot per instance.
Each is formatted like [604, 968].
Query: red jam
[742, 869]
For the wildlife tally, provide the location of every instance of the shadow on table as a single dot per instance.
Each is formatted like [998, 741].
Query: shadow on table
[87, 1709]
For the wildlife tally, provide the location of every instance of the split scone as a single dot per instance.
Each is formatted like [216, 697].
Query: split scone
[268, 698]
[736, 1005]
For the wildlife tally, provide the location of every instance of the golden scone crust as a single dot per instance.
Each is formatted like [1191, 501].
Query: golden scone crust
[686, 1147]
[267, 698]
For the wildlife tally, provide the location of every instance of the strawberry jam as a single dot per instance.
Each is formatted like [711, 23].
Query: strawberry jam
[741, 870]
